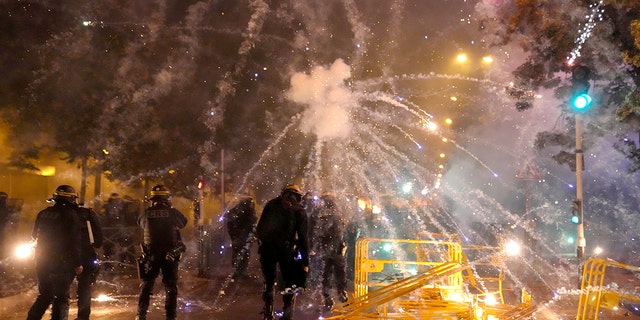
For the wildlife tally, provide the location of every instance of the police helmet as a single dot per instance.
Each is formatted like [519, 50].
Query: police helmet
[245, 198]
[328, 194]
[65, 193]
[328, 198]
[160, 193]
[292, 188]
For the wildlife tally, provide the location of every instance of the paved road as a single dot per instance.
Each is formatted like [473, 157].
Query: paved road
[212, 297]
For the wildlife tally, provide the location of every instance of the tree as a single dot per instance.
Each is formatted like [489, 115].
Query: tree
[101, 93]
[555, 39]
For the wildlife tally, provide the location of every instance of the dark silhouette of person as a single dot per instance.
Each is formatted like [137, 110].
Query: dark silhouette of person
[6, 213]
[129, 233]
[351, 235]
[241, 220]
[309, 203]
[163, 248]
[282, 239]
[327, 227]
[58, 254]
[92, 239]
[130, 211]
[113, 231]
[112, 210]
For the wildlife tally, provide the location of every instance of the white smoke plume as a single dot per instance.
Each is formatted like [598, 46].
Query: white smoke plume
[328, 99]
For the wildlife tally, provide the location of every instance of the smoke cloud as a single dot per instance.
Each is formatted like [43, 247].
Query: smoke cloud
[328, 99]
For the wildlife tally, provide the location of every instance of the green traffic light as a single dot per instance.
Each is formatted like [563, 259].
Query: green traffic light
[581, 102]
[575, 219]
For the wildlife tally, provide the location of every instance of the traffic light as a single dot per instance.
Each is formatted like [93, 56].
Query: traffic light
[576, 212]
[580, 99]
[581, 102]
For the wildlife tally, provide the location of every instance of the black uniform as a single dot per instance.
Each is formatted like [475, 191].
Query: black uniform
[309, 205]
[162, 245]
[327, 241]
[282, 234]
[352, 233]
[113, 210]
[5, 219]
[57, 231]
[240, 222]
[90, 262]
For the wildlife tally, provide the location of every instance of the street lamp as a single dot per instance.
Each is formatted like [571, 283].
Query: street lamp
[461, 58]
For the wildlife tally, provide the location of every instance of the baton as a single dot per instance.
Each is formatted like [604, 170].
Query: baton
[90, 232]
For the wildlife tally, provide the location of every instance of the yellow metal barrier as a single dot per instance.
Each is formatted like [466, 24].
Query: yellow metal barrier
[489, 285]
[593, 293]
[425, 279]
[376, 264]
[376, 298]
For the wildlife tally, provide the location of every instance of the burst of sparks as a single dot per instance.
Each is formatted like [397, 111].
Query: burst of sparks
[585, 32]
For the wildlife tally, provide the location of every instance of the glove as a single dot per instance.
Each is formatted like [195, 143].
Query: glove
[173, 256]
[176, 253]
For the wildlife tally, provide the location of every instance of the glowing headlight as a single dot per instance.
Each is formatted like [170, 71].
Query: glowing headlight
[103, 297]
[512, 248]
[490, 300]
[24, 251]
[597, 251]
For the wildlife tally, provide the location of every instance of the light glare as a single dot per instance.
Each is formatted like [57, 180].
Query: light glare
[25, 250]
[512, 248]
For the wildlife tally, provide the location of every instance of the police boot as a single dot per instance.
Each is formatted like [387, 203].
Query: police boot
[328, 303]
[267, 312]
[289, 302]
[342, 296]
[171, 302]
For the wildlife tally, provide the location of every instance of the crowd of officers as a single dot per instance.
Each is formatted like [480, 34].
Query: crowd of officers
[8, 221]
[293, 232]
[67, 236]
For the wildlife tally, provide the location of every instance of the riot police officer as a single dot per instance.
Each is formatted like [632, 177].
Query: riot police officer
[328, 243]
[92, 239]
[163, 247]
[6, 213]
[240, 222]
[282, 236]
[57, 231]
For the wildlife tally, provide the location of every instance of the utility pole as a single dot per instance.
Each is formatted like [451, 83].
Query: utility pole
[580, 103]
[582, 242]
